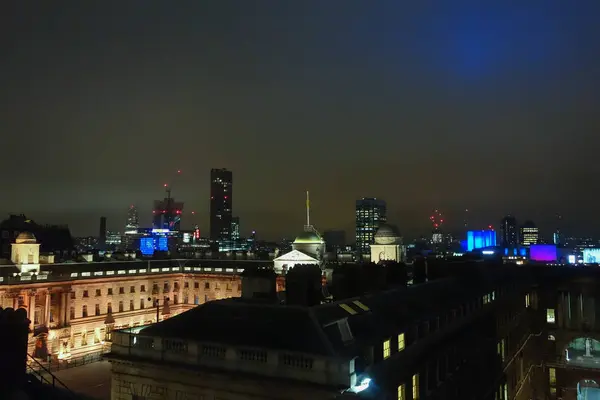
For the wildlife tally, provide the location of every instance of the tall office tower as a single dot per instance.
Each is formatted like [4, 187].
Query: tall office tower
[132, 219]
[221, 203]
[370, 214]
[102, 236]
[167, 213]
[235, 228]
[509, 233]
[530, 234]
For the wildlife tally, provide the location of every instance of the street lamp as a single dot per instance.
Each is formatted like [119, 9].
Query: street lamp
[166, 309]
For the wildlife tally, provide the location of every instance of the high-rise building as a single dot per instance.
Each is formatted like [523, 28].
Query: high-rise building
[102, 235]
[530, 234]
[370, 214]
[235, 228]
[132, 219]
[221, 203]
[509, 232]
[167, 213]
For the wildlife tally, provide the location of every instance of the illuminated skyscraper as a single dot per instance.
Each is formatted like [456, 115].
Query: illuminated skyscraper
[509, 232]
[530, 234]
[370, 214]
[132, 219]
[235, 228]
[221, 204]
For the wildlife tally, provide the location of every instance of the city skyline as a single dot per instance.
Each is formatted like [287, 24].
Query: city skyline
[486, 109]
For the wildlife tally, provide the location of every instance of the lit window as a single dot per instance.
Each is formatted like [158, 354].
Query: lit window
[550, 316]
[401, 342]
[386, 349]
[415, 387]
[527, 303]
[552, 375]
[402, 392]
[501, 351]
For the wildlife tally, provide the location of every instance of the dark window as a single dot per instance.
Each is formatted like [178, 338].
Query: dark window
[97, 311]
[84, 312]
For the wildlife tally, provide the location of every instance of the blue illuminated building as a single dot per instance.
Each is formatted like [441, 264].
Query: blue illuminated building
[480, 239]
[147, 246]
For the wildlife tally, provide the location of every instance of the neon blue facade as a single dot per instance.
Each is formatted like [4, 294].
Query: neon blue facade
[147, 246]
[480, 239]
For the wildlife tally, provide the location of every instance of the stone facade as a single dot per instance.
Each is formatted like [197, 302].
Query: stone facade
[75, 313]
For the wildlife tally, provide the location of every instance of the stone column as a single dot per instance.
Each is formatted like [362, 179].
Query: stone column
[47, 309]
[31, 309]
[68, 308]
[62, 316]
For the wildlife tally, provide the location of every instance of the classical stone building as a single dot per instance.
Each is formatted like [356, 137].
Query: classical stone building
[388, 245]
[476, 330]
[73, 307]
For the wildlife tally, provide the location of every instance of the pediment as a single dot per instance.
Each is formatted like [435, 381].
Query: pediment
[295, 256]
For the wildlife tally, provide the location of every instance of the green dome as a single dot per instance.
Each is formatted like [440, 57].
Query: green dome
[308, 237]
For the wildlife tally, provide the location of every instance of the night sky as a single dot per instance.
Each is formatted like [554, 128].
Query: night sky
[435, 104]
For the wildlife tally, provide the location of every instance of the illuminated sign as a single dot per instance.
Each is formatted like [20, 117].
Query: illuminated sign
[160, 231]
[187, 237]
[480, 239]
[572, 259]
[487, 252]
[542, 252]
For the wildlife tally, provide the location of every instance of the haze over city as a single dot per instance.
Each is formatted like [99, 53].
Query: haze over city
[453, 106]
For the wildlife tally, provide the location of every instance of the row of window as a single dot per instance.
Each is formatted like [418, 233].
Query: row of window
[166, 288]
[109, 308]
[413, 387]
[431, 326]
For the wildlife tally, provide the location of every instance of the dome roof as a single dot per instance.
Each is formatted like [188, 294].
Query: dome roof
[25, 237]
[386, 234]
[386, 230]
[308, 237]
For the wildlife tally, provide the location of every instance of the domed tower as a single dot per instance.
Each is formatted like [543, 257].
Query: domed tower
[308, 248]
[25, 253]
[310, 242]
[388, 245]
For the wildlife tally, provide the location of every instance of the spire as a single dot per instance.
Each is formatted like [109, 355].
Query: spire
[308, 227]
[307, 209]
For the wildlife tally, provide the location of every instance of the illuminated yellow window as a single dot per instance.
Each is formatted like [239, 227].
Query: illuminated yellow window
[505, 391]
[386, 349]
[527, 303]
[401, 342]
[348, 309]
[501, 350]
[402, 392]
[550, 316]
[415, 386]
[361, 305]
[552, 375]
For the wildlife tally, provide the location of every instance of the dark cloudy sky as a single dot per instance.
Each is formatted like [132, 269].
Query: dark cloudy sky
[486, 105]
